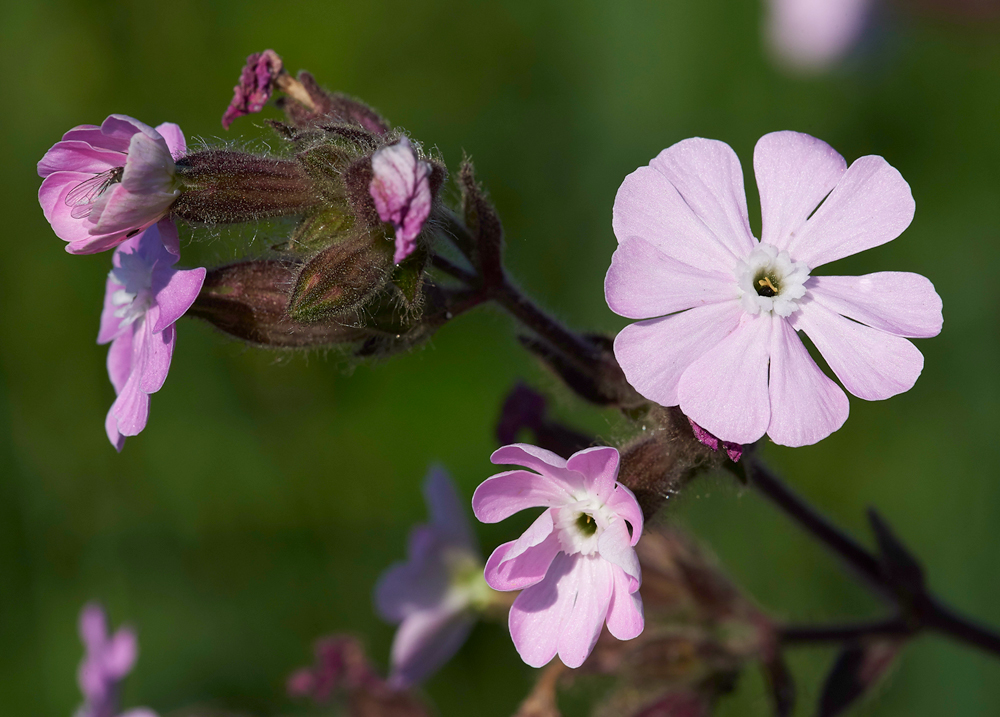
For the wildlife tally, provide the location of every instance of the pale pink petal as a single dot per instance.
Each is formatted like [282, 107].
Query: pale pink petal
[599, 468]
[529, 567]
[794, 172]
[529, 456]
[114, 133]
[174, 138]
[648, 207]
[536, 533]
[504, 494]
[130, 410]
[121, 653]
[625, 615]
[643, 282]
[159, 351]
[813, 34]
[725, 391]
[78, 156]
[896, 302]
[655, 354]
[111, 428]
[871, 205]
[871, 364]
[806, 405]
[110, 326]
[120, 360]
[425, 641]
[582, 626]
[145, 194]
[447, 510]
[615, 546]
[92, 626]
[139, 712]
[417, 584]
[625, 506]
[537, 617]
[175, 292]
[402, 193]
[708, 176]
[52, 197]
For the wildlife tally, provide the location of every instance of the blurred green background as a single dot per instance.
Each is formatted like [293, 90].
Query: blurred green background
[269, 491]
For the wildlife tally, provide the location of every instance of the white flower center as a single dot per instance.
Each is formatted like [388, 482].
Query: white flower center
[136, 295]
[579, 525]
[770, 281]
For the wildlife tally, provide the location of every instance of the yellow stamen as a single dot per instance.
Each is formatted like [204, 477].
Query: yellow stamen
[766, 281]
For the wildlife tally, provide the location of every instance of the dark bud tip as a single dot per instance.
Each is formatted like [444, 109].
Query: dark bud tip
[902, 568]
[483, 222]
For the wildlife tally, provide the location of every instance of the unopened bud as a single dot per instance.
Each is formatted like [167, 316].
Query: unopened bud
[248, 301]
[226, 187]
[342, 277]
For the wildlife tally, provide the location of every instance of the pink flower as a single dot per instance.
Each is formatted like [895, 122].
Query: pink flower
[575, 565]
[145, 295]
[255, 87]
[402, 192]
[107, 661]
[814, 34]
[725, 348]
[105, 184]
[436, 593]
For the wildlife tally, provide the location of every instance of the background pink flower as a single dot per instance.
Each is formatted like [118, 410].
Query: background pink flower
[105, 184]
[575, 565]
[725, 348]
[814, 34]
[434, 596]
[145, 295]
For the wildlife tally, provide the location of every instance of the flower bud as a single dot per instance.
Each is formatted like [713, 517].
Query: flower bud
[312, 105]
[342, 277]
[248, 301]
[226, 187]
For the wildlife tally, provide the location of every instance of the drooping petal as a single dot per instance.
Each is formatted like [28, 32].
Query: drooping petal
[655, 354]
[76, 156]
[425, 641]
[615, 546]
[111, 429]
[708, 176]
[871, 364]
[896, 302]
[504, 572]
[871, 205]
[447, 510]
[725, 391]
[504, 494]
[599, 468]
[648, 207]
[131, 408]
[806, 405]
[794, 172]
[625, 506]
[159, 350]
[175, 292]
[583, 625]
[625, 614]
[538, 616]
[120, 360]
[643, 282]
[174, 138]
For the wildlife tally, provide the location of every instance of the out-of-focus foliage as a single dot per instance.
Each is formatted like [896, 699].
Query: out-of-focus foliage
[268, 491]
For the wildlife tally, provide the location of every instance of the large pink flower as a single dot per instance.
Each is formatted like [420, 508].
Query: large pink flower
[725, 348]
[145, 295]
[575, 565]
[105, 184]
